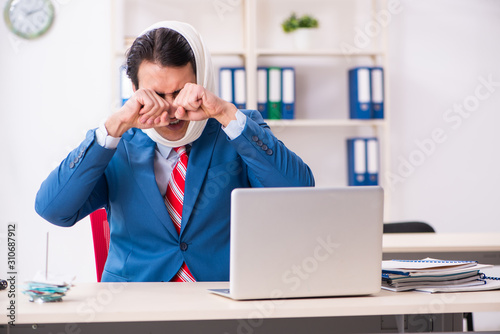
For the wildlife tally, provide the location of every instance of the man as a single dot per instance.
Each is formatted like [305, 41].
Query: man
[168, 223]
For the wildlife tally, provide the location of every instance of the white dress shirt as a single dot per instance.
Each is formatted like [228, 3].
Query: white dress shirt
[166, 157]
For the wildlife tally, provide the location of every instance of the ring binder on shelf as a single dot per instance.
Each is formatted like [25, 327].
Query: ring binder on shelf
[377, 86]
[288, 98]
[262, 91]
[356, 161]
[126, 88]
[274, 93]
[359, 93]
[226, 84]
[240, 88]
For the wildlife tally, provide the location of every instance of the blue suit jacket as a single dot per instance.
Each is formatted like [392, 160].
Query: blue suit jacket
[144, 243]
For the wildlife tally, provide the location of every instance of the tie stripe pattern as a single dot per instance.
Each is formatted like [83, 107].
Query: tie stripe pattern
[174, 200]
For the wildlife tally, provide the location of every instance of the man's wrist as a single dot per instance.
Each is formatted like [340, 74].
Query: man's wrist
[104, 139]
[235, 127]
[227, 114]
[114, 127]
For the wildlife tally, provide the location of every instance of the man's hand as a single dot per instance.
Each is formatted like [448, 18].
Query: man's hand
[195, 103]
[144, 110]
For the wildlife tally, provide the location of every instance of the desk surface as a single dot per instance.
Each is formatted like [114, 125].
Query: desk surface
[441, 242]
[113, 302]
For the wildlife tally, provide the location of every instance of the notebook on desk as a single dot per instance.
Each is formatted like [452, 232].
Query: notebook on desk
[305, 242]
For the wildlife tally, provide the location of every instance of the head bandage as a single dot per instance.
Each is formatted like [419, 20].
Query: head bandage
[204, 77]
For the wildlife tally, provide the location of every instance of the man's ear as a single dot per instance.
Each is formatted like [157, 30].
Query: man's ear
[133, 87]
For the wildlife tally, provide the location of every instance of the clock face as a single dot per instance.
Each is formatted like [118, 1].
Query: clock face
[29, 18]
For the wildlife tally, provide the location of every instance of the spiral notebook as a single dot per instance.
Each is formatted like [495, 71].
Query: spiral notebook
[434, 275]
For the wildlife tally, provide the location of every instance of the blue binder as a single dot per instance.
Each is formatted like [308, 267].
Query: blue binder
[262, 91]
[239, 87]
[372, 161]
[359, 93]
[377, 92]
[288, 93]
[356, 161]
[226, 85]
[126, 90]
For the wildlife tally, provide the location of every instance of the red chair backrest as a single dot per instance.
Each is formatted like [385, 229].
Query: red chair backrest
[100, 234]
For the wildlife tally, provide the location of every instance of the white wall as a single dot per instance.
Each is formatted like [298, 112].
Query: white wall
[440, 51]
[53, 89]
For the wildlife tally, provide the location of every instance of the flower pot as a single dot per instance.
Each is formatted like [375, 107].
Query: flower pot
[302, 38]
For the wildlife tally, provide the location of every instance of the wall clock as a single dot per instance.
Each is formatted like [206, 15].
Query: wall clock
[29, 19]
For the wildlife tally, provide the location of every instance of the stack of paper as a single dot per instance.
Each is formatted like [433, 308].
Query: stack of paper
[433, 275]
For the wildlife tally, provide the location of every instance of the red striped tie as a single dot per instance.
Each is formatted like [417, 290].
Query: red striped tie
[174, 200]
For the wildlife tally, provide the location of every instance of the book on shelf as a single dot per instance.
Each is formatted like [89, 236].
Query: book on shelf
[362, 161]
[366, 92]
[434, 275]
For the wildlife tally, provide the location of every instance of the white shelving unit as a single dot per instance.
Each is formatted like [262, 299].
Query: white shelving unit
[248, 33]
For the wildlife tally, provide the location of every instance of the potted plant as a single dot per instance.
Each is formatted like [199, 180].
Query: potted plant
[301, 28]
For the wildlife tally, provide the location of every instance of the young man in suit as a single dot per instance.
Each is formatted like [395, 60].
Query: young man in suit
[172, 125]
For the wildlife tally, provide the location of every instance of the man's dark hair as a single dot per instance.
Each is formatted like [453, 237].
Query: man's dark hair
[162, 46]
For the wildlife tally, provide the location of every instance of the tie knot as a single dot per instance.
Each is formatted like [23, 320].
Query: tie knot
[180, 150]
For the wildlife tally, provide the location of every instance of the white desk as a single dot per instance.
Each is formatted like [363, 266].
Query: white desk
[483, 247]
[166, 307]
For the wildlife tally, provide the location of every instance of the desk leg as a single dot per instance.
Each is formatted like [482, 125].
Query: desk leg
[400, 323]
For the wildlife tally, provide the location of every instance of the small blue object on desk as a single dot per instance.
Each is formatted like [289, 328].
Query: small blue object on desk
[45, 292]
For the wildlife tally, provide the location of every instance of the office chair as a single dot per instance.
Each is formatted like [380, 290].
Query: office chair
[420, 227]
[408, 227]
[100, 235]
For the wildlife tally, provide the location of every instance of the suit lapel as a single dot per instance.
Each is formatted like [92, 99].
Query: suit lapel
[199, 160]
[141, 153]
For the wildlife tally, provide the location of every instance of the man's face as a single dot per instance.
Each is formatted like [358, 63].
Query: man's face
[167, 82]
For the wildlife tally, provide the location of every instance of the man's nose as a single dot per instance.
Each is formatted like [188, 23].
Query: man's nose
[171, 108]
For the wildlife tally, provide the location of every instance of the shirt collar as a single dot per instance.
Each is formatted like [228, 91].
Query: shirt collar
[165, 151]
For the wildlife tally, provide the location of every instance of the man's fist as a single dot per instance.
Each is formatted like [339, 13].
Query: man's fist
[145, 109]
[195, 103]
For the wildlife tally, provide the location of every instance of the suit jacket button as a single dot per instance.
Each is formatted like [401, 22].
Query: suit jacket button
[255, 138]
[184, 246]
[71, 164]
[264, 147]
[259, 143]
[269, 152]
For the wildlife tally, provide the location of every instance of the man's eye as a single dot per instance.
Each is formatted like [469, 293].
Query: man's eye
[160, 95]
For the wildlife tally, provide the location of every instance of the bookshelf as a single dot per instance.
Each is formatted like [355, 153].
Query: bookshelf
[248, 33]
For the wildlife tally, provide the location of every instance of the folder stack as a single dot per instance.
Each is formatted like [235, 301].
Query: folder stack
[232, 86]
[366, 93]
[433, 275]
[275, 90]
[363, 161]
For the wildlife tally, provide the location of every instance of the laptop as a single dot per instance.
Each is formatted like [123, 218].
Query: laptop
[305, 242]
